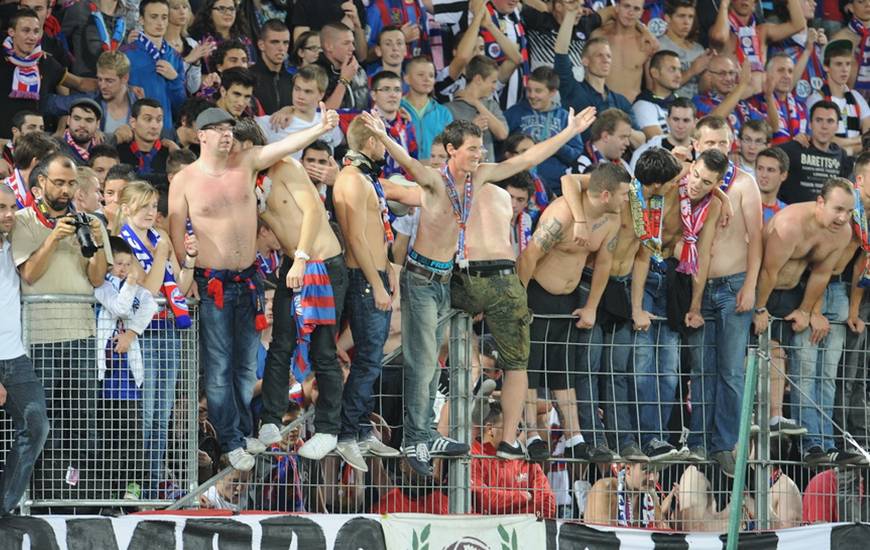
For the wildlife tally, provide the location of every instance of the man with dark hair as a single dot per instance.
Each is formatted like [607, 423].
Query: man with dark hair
[23, 122]
[651, 106]
[823, 159]
[390, 51]
[521, 188]
[117, 177]
[771, 170]
[237, 93]
[274, 84]
[31, 149]
[754, 136]
[537, 117]
[553, 270]
[154, 65]
[609, 137]
[146, 151]
[806, 236]
[103, 157]
[680, 123]
[82, 126]
[484, 278]
[386, 100]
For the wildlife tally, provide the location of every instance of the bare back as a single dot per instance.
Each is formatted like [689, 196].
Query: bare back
[284, 215]
[359, 216]
[559, 271]
[223, 211]
[488, 233]
[730, 247]
[627, 245]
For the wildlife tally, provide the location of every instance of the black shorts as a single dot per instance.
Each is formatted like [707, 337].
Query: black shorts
[780, 304]
[554, 342]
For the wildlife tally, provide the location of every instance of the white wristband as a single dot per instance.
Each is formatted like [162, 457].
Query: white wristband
[301, 255]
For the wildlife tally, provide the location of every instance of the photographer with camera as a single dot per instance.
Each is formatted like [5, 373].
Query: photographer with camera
[60, 251]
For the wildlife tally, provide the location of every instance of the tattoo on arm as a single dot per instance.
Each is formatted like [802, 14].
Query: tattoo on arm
[598, 224]
[611, 246]
[548, 234]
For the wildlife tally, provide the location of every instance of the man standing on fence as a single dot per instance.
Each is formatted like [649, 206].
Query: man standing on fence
[21, 393]
[718, 351]
[553, 270]
[52, 260]
[804, 238]
[217, 195]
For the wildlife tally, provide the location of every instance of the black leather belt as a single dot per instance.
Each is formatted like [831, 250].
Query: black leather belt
[428, 274]
[472, 272]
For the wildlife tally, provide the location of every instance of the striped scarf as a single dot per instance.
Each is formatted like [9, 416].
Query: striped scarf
[84, 153]
[813, 77]
[851, 114]
[108, 43]
[748, 45]
[647, 220]
[313, 306]
[859, 225]
[372, 170]
[151, 49]
[491, 48]
[693, 219]
[248, 277]
[521, 231]
[25, 77]
[624, 512]
[23, 196]
[793, 119]
[862, 55]
[402, 131]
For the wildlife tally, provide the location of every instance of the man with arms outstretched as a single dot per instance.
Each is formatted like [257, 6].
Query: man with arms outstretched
[456, 214]
[218, 198]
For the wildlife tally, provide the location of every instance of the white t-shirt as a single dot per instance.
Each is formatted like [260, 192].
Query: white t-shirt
[333, 138]
[647, 113]
[11, 346]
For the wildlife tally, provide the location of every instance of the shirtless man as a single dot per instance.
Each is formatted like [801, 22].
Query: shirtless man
[293, 210]
[629, 499]
[804, 235]
[218, 198]
[452, 221]
[675, 293]
[719, 351]
[631, 44]
[552, 268]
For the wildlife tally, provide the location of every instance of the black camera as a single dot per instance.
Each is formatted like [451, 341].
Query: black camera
[82, 223]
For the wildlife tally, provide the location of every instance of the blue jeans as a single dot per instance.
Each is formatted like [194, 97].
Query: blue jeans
[229, 344]
[423, 304]
[161, 355]
[718, 353]
[25, 405]
[814, 370]
[588, 355]
[656, 363]
[620, 414]
[370, 328]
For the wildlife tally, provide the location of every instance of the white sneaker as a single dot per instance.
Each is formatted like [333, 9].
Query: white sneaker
[269, 434]
[318, 446]
[241, 460]
[254, 446]
[375, 446]
[349, 452]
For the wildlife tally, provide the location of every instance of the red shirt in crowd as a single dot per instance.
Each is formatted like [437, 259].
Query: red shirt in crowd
[501, 486]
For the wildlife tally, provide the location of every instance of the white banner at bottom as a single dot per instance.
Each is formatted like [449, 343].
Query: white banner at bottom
[422, 532]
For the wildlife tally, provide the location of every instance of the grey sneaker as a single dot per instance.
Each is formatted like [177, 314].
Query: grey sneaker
[600, 454]
[269, 434]
[632, 453]
[726, 462]
[241, 460]
[254, 446]
[697, 454]
[373, 445]
[349, 452]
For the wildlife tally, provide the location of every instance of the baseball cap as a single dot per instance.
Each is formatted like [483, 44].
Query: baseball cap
[212, 116]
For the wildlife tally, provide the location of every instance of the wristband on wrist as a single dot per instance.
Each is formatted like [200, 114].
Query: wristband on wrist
[580, 221]
[345, 82]
[301, 255]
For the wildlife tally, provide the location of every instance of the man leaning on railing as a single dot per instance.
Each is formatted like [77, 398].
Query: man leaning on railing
[20, 392]
[60, 252]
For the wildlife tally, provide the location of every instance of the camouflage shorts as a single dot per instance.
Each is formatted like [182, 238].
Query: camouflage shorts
[502, 299]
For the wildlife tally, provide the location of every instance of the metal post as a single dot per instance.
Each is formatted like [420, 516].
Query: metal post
[742, 452]
[191, 349]
[762, 468]
[26, 499]
[459, 492]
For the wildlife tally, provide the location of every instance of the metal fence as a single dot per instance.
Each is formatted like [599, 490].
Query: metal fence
[123, 427]
[589, 384]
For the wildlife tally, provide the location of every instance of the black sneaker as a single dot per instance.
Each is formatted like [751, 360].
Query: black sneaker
[445, 446]
[417, 457]
[510, 452]
[842, 458]
[726, 462]
[658, 451]
[580, 451]
[602, 455]
[632, 453]
[538, 451]
[815, 456]
[785, 426]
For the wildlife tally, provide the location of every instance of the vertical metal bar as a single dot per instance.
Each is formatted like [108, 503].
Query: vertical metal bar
[25, 337]
[762, 469]
[459, 492]
[191, 366]
[742, 452]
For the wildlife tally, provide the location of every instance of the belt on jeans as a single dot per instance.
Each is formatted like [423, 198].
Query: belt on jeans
[841, 278]
[487, 272]
[428, 273]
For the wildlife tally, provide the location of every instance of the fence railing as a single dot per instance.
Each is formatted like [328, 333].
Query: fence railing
[98, 445]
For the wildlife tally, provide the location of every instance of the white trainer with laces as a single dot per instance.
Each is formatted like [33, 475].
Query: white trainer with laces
[254, 446]
[269, 434]
[241, 460]
[375, 446]
[318, 446]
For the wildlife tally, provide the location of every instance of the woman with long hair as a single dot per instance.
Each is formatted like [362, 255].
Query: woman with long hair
[191, 51]
[306, 50]
[220, 20]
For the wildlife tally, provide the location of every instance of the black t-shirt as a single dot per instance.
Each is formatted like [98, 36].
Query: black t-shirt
[158, 163]
[809, 169]
[51, 73]
[314, 14]
[273, 90]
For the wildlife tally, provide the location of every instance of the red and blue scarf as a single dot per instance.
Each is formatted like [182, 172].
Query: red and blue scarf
[372, 171]
[693, 218]
[402, 131]
[792, 118]
[461, 210]
[23, 196]
[859, 225]
[25, 77]
[108, 43]
[248, 277]
[169, 288]
[862, 55]
[268, 265]
[145, 159]
[313, 306]
[748, 45]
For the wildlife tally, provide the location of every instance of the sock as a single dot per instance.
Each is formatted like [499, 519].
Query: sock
[574, 440]
[532, 439]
